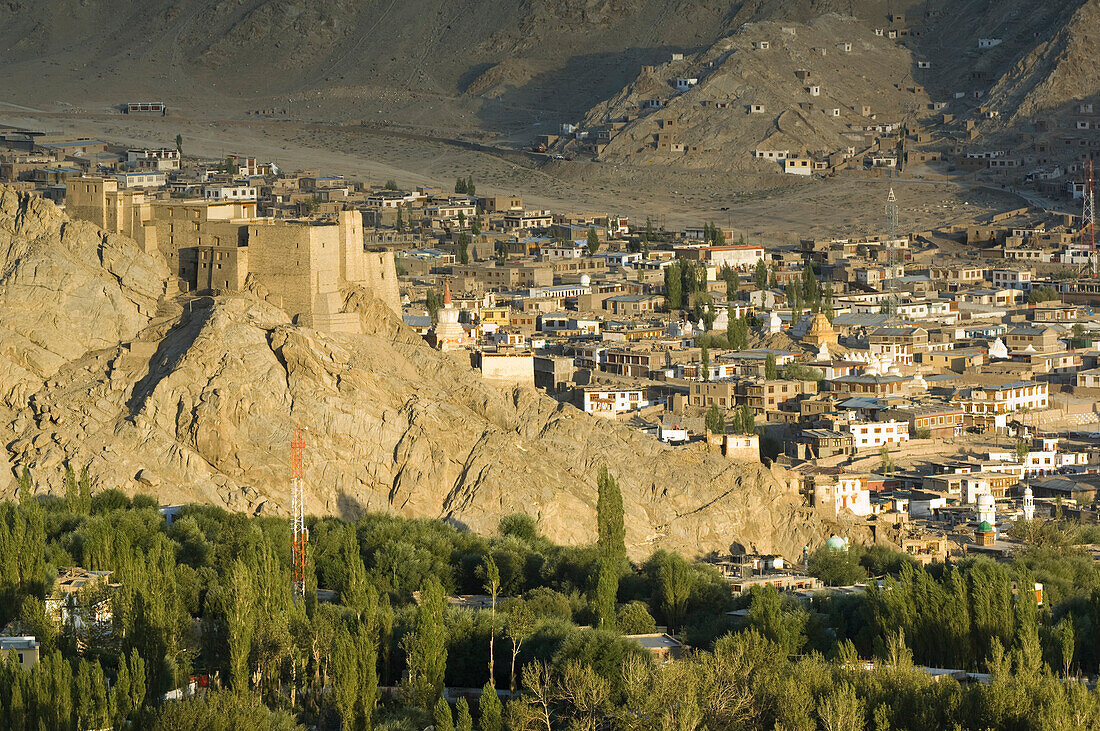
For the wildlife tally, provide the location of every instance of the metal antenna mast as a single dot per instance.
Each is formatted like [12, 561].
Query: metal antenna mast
[1088, 215]
[297, 512]
[892, 215]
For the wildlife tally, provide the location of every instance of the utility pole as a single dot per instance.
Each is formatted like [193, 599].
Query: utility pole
[297, 513]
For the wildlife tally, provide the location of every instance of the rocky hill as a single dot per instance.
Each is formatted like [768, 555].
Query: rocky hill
[196, 401]
[804, 92]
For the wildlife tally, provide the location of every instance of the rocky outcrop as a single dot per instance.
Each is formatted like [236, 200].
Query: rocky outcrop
[201, 405]
[65, 288]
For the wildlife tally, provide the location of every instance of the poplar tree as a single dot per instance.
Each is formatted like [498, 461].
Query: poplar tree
[770, 370]
[240, 623]
[760, 276]
[674, 286]
[593, 241]
[491, 575]
[611, 545]
[426, 647]
[356, 588]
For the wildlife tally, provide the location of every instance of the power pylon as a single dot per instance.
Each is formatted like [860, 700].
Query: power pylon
[297, 512]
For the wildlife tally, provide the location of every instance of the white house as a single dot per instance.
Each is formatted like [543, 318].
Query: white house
[143, 179]
[684, 83]
[874, 434]
[611, 401]
[1012, 278]
[988, 42]
[229, 192]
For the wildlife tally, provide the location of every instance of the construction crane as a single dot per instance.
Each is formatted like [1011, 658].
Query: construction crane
[297, 513]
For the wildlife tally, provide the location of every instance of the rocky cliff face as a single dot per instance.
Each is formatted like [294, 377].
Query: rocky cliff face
[198, 404]
[66, 288]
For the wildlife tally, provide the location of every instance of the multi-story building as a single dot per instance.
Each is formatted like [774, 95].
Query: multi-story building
[610, 401]
[988, 407]
[636, 363]
[874, 434]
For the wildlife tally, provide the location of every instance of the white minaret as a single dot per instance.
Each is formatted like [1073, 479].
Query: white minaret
[987, 509]
[1029, 504]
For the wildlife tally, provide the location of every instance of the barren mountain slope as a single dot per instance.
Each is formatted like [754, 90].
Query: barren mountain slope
[562, 55]
[200, 405]
[804, 93]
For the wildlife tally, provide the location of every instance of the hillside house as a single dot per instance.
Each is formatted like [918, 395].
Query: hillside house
[25, 650]
[610, 401]
[761, 45]
[798, 166]
[146, 108]
[685, 83]
[1033, 339]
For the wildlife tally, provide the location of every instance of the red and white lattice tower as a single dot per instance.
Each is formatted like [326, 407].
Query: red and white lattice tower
[1088, 214]
[297, 512]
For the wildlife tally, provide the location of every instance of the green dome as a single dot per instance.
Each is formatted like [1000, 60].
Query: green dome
[836, 543]
[985, 527]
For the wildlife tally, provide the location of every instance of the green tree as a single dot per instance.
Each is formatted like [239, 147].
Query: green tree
[715, 421]
[770, 371]
[460, 186]
[747, 422]
[432, 302]
[704, 363]
[240, 623]
[426, 647]
[463, 242]
[648, 230]
[675, 581]
[471, 189]
[783, 624]
[463, 720]
[491, 575]
[886, 465]
[520, 626]
[634, 619]
[801, 372]
[593, 241]
[356, 591]
[391, 184]
[760, 276]
[733, 281]
[400, 225]
[1023, 449]
[489, 709]
[611, 545]
[179, 144]
[441, 716]
[673, 286]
